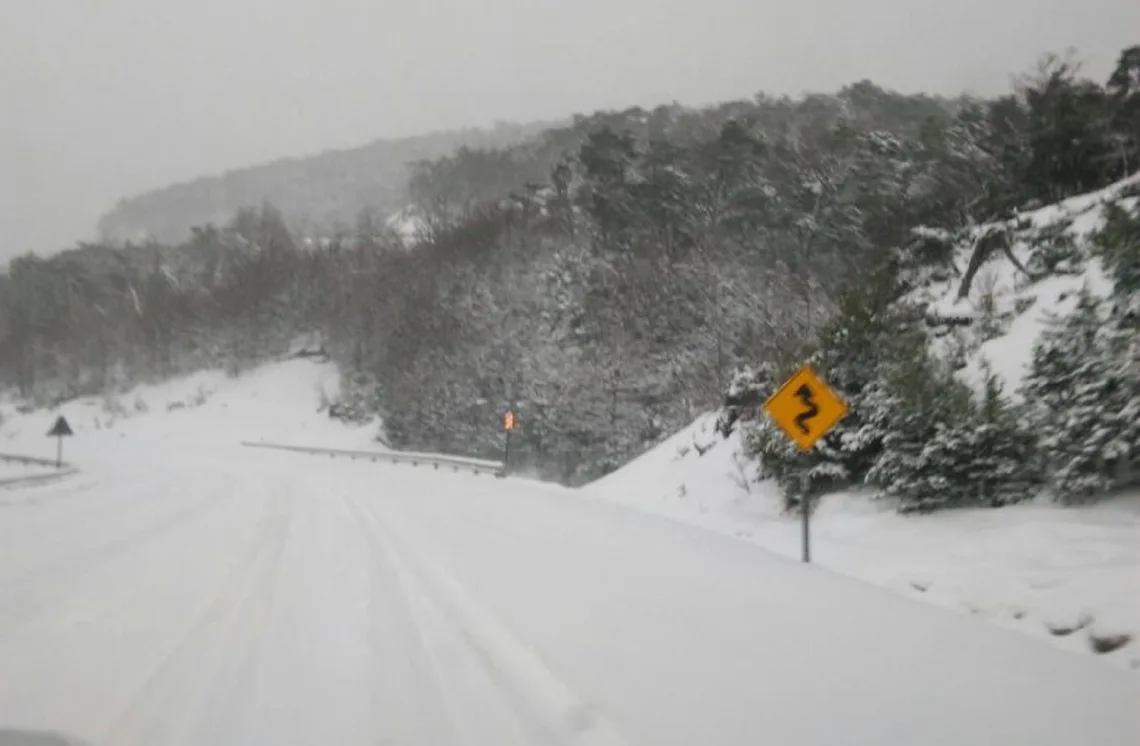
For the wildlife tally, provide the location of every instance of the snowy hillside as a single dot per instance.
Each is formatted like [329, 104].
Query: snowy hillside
[1067, 575]
[1005, 309]
[283, 403]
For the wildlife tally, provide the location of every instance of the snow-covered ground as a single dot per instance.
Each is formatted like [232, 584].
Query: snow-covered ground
[1070, 576]
[1066, 575]
[285, 403]
[182, 589]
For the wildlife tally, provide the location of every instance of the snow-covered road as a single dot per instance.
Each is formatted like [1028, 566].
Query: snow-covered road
[219, 595]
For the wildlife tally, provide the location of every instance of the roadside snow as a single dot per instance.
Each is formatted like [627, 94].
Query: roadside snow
[182, 589]
[1069, 576]
[1040, 569]
[285, 403]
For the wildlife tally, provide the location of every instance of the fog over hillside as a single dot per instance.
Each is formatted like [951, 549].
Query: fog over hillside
[319, 195]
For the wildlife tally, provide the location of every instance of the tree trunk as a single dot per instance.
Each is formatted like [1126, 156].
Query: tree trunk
[983, 247]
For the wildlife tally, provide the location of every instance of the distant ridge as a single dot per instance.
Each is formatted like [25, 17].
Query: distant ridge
[318, 194]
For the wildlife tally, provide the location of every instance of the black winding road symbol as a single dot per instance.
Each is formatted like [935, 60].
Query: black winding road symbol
[805, 394]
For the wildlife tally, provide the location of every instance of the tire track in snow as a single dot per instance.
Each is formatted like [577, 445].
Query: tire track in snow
[409, 702]
[40, 507]
[544, 706]
[99, 512]
[36, 494]
[194, 694]
[30, 597]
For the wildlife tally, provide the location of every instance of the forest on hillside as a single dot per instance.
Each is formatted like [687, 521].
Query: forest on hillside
[608, 280]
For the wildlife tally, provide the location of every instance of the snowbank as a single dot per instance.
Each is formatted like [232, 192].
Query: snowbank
[695, 473]
[1069, 576]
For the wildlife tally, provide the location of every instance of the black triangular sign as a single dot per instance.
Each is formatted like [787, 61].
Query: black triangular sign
[60, 428]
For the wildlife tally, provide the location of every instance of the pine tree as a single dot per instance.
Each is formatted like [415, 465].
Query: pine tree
[747, 390]
[781, 461]
[1001, 461]
[1080, 404]
[927, 445]
[941, 449]
[1118, 244]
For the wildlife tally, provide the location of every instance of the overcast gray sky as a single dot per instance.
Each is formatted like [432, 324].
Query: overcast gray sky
[100, 99]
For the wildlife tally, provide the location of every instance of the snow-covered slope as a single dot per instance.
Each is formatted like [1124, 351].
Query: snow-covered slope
[409, 226]
[1067, 575]
[1006, 310]
[282, 403]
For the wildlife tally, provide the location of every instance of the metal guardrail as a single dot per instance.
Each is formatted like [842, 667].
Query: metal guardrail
[57, 471]
[434, 460]
[14, 458]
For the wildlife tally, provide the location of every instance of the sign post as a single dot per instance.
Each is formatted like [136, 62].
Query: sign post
[806, 409]
[59, 431]
[509, 427]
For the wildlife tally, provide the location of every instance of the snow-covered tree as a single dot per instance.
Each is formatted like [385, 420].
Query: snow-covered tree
[1000, 471]
[925, 449]
[1081, 404]
[747, 390]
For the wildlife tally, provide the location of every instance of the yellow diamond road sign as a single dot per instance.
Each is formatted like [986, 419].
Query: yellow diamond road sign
[805, 408]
